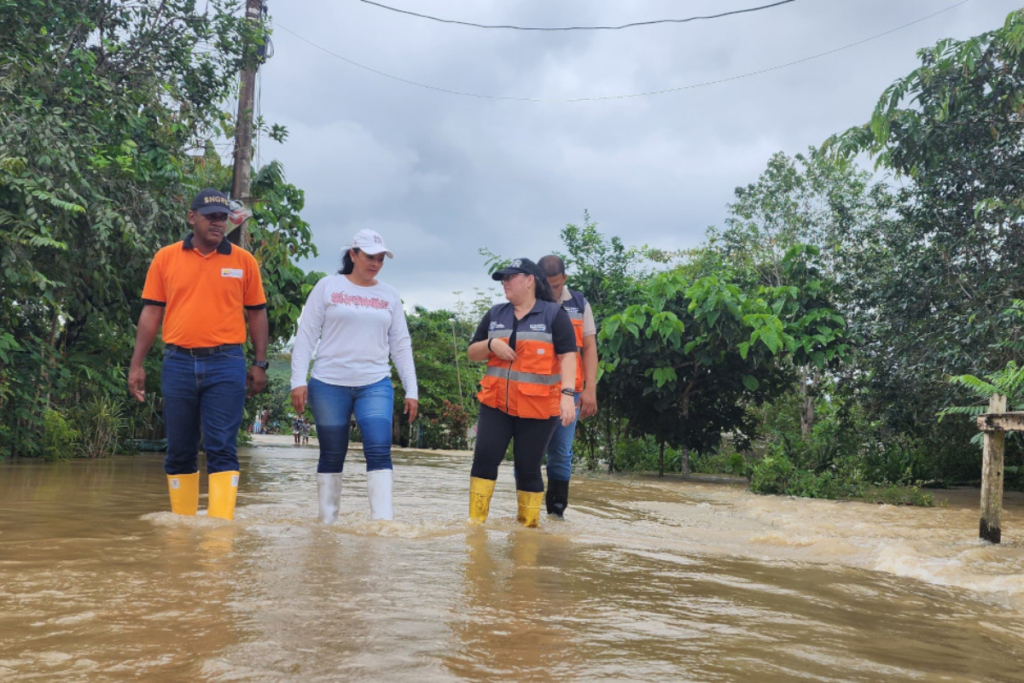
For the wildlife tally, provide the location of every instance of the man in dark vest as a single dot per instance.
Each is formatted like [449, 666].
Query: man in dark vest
[560, 448]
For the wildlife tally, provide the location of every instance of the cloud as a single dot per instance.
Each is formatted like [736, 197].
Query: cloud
[440, 176]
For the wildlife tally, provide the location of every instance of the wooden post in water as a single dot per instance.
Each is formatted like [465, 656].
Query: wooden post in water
[992, 475]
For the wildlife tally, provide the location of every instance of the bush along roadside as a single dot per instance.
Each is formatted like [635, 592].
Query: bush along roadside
[828, 464]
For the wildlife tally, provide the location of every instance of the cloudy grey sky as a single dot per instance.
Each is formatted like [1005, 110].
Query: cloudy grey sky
[441, 175]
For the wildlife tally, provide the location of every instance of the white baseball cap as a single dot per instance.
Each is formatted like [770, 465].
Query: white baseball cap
[370, 242]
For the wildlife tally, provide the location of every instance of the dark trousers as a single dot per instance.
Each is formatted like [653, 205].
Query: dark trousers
[529, 438]
[207, 392]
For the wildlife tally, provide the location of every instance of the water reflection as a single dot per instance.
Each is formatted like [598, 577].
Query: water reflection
[644, 580]
[515, 618]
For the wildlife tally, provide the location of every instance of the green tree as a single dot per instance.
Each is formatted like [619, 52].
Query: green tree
[447, 381]
[685, 364]
[930, 284]
[106, 113]
[813, 199]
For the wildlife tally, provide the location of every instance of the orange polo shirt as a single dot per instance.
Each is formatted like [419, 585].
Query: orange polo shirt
[204, 296]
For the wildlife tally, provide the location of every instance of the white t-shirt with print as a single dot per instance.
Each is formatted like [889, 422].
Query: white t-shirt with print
[353, 331]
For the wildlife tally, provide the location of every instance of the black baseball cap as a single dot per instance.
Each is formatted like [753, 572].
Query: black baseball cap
[518, 265]
[210, 201]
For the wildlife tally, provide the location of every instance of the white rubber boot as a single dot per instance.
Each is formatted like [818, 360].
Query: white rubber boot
[379, 484]
[328, 487]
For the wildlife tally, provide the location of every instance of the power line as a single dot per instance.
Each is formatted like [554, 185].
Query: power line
[577, 28]
[648, 93]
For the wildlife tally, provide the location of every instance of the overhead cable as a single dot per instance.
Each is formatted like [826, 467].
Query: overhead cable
[577, 28]
[648, 93]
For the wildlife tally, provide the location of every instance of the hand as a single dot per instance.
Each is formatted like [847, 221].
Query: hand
[137, 383]
[412, 408]
[256, 380]
[501, 349]
[299, 400]
[567, 409]
[588, 403]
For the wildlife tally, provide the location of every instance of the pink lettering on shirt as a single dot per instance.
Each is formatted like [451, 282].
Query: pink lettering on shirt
[343, 299]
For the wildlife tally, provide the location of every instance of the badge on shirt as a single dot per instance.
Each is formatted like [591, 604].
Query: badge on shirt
[231, 272]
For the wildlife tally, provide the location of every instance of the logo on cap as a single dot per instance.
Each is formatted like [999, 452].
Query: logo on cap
[516, 263]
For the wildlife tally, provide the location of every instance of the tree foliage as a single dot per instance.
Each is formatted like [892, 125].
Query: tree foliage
[447, 380]
[930, 284]
[107, 110]
[686, 362]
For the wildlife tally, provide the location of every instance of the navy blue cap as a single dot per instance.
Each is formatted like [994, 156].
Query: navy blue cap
[518, 265]
[210, 201]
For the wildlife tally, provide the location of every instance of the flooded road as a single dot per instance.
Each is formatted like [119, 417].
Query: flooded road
[645, 580]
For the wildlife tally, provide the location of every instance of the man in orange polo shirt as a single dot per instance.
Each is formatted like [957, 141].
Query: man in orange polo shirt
[202, 289]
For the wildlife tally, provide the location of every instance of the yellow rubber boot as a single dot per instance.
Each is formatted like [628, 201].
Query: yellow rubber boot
[529, 507]
[223, 490]
[480, 492]
[184, 489]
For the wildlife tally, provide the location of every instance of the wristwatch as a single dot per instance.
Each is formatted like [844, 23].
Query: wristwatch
[262, 364]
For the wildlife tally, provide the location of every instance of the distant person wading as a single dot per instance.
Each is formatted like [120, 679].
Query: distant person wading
[358, 322]
[528, 388]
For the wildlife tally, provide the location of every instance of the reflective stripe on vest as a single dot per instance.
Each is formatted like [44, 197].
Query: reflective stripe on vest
[516, 376]
[523, 336]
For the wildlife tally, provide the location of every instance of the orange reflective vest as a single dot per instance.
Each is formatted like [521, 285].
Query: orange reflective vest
[530, 385]
[575, 307]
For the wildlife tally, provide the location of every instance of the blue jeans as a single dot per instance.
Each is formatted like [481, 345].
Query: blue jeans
[560, 448]
[208, 393]
[333, 407]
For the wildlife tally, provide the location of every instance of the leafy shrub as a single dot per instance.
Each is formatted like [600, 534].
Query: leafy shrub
[724, 461]
[772, 475]
[902, 461]
[642, 455]
[737, 464]
[894, 494]
[777, 475]
[101, 426]
[447, 427]
[58, 437]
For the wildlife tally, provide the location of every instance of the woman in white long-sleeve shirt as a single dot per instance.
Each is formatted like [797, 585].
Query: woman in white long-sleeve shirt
[358, 322]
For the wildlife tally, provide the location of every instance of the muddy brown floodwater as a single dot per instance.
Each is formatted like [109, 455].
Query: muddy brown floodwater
[645, 580]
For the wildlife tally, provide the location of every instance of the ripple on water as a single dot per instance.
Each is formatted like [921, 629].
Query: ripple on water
[644, 580]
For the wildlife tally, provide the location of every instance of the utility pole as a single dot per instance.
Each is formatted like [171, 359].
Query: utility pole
[243, 126]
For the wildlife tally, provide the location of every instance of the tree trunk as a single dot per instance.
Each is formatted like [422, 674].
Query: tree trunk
[661, 460]
[807, 408]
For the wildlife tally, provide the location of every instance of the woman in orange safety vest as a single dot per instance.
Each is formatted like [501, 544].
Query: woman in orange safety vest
[528, 388]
